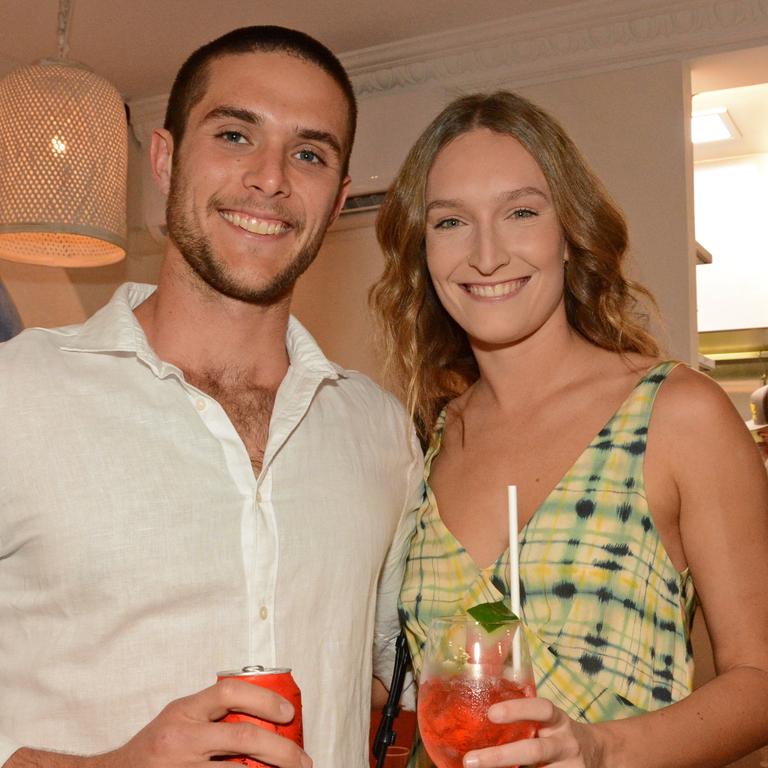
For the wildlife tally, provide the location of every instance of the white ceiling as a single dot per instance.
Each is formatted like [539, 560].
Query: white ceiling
[139, 44]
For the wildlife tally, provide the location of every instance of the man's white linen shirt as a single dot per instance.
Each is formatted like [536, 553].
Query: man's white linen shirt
[140, 555]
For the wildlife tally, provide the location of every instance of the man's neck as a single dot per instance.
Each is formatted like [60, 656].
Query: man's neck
[203, 332]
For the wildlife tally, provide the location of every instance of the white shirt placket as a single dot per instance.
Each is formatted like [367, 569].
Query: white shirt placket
[259, 545]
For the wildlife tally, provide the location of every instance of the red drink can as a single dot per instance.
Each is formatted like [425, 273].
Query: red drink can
[280, 680]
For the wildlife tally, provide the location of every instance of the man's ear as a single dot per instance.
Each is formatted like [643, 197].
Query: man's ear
[161, 158]
[341, 198]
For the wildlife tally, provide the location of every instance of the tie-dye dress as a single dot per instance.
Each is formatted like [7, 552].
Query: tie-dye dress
[608, 617]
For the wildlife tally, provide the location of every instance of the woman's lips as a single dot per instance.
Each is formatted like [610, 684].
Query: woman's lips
[496, 290]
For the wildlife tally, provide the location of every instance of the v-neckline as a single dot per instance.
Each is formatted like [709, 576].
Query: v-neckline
[438, 441]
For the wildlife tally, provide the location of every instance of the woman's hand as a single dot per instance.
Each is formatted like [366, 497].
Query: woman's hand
[561, 742]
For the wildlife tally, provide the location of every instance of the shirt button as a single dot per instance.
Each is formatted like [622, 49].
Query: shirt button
[264, 612]
[200, 404]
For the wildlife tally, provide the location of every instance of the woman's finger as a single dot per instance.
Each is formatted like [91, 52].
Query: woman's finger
[543, 752]
[524, 752]
[537, 709]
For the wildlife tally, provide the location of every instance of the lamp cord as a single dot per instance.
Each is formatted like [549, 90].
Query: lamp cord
[64, 15]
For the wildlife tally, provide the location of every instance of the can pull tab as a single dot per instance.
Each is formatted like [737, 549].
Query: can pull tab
[254, 668]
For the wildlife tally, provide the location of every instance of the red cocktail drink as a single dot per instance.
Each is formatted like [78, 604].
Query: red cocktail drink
[467, 667]
[453, 716]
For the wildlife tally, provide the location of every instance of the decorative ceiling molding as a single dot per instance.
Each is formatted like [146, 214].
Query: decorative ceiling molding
[592, 36]
[595, 35]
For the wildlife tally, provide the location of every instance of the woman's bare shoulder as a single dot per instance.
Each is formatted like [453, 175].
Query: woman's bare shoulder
[692, 401]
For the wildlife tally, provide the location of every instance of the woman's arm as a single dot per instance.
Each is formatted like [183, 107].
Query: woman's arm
[716, 483]
[723, 524]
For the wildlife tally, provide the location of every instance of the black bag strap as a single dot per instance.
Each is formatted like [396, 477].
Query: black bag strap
[385, 734]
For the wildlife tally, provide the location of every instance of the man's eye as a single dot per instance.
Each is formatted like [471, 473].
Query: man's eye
[523, 213]
[233, 137]
[309, 156]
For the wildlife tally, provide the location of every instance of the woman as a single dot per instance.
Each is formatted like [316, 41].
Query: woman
[520, 351]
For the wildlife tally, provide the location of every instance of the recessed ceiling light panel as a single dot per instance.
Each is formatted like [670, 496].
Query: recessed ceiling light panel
[712, 125]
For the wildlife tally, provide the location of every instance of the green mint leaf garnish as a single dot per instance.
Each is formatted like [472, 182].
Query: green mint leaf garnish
[491, 615]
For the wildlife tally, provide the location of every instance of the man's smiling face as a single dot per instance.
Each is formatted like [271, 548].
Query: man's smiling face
[258, 176]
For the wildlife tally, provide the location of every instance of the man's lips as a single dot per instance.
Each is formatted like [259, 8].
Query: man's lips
[496, 290]
[255, 224]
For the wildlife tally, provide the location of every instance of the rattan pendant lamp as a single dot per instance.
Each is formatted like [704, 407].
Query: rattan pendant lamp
[63, 159]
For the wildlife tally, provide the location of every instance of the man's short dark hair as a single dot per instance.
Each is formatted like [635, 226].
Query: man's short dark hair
[192, 79]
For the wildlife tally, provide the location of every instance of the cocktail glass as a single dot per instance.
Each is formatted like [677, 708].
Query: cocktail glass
[467, 668]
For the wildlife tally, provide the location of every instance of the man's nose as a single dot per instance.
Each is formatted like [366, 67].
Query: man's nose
[267, 172]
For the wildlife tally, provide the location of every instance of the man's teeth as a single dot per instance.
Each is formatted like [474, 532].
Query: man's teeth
[499, 289]
[257, 226]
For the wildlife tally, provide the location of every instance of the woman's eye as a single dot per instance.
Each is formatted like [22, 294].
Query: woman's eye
[449, 223]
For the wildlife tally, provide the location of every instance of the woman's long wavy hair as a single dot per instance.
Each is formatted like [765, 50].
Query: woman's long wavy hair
[427, 354]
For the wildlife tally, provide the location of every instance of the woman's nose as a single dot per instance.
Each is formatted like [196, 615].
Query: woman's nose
[489, 252]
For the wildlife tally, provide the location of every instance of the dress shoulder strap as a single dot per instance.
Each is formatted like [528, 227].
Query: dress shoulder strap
[634, 415]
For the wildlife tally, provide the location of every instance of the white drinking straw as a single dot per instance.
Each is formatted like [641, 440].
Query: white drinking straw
[514, 573]
[514, 551]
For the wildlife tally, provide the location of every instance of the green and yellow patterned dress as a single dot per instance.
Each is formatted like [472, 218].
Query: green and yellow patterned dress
[607, 615]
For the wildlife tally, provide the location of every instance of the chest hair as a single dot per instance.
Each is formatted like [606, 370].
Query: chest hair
[248, 406]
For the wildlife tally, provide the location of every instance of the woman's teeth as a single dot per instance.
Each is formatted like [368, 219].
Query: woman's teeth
[498, 289]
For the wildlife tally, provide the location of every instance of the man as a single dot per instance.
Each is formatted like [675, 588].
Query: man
[191, 486]
[758, 424]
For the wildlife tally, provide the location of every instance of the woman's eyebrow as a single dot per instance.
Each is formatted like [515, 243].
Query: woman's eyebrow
[442, 204]
[507, 195]
[514, 194]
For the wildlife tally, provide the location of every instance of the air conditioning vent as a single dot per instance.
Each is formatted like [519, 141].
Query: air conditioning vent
[362, 203]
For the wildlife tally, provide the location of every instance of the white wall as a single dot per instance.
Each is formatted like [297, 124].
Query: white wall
[331, 298]
[731, 224]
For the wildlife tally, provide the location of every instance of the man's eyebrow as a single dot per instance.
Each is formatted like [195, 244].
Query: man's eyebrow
[254, 118]
[324, 137]
[235, 113]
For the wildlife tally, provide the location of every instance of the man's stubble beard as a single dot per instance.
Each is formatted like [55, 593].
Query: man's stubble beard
[196, 249]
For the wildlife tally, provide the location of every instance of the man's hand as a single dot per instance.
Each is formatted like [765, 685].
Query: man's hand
[187, 733]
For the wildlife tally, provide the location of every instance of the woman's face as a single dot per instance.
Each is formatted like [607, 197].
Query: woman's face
[495, 247]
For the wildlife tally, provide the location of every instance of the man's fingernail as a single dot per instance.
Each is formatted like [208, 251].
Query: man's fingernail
[306, 761]
[286, 710]
[471, 761]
